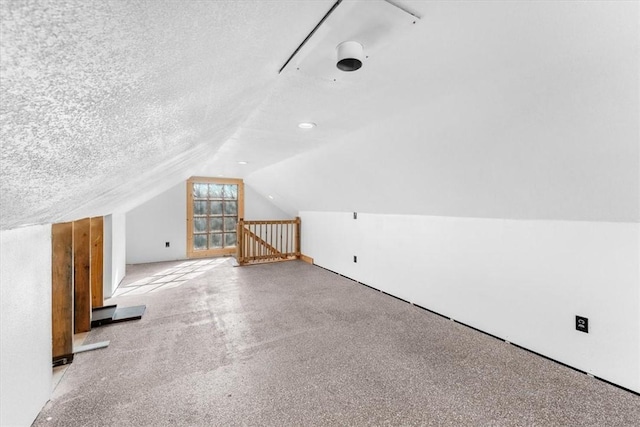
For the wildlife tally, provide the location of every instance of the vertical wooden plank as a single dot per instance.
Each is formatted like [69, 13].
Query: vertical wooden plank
[62, 290]
[81, 274]
[240, 243]
[240, 198]
[96, 273]
[286, 250]
[191, 252]
[298, 237]
[255, 242]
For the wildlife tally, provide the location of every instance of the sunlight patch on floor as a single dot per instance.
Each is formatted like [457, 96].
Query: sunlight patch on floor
[170, 277]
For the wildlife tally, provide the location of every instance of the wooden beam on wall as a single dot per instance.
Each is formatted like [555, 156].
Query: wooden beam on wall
[82, 276]
[62, 290]
[97, 290]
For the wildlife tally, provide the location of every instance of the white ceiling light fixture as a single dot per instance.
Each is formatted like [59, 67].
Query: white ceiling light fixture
[270, 196]
[335, 47]
[242, 162]
[306, 125]
[350, 55]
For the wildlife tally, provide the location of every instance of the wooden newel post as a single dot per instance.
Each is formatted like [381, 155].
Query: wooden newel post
[298, 237]
[240, 241]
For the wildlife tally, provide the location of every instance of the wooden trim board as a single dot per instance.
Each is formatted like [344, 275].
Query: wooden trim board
[62, 290]
[96, 274]
[82, 275]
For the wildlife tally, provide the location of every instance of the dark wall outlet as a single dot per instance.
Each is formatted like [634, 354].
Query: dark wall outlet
[355, 258]
[355, 215]
[582, 324]
[167, 244]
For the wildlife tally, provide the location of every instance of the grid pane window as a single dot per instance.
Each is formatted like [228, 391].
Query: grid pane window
[200, 190]
[231, 207]
[231, 192]
[200, 241]
[215, 215]
[199, 208]
[215, 224]
[215, 240]
[216, 208]
[215, 191]
[199, 225]
[230, 239]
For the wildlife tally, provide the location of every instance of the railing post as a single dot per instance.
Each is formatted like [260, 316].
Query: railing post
[239, 241]
[298, 237]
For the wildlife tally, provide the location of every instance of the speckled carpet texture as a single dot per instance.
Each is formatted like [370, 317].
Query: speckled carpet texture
[292, 344]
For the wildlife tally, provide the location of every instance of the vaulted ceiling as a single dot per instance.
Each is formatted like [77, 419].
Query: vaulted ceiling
[105, 101]
[498, 109]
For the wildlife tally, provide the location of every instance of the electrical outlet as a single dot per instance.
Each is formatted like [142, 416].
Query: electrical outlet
[355, 258]
[167, 244]
[355, 215]
[582, 324]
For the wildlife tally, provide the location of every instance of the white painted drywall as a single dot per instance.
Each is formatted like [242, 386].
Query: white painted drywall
[152, 224]
[25, 326]
[523, 281]
[107, 258]
[257, 206]
[119, 223]
[163, 219]
[512, 110]
[114, 252]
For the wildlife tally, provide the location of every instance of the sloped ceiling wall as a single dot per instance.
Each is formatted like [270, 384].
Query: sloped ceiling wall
[106, 103]
[526, 110]
[492, 109]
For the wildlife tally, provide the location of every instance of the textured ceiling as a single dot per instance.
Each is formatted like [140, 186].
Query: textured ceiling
[499, 109]
[104, 102]
[310, 88]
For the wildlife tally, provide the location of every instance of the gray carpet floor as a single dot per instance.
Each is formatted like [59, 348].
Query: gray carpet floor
[292, 344]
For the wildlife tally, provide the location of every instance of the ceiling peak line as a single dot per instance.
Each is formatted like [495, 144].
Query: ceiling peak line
[324, 18]
[402, 8]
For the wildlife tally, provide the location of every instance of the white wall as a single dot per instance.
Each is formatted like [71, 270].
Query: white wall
[257, 206]
[119, 242]
[524, 281]
[107, 257]
[163, 219]
[518, 113]
[152, 224]
[115, 262]
[25, 326]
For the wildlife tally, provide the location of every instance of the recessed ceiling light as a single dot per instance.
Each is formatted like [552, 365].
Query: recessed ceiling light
[242, 162]
[306, 125]
[271, 197]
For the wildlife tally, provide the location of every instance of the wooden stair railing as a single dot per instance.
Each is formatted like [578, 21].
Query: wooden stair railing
[267, 241]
